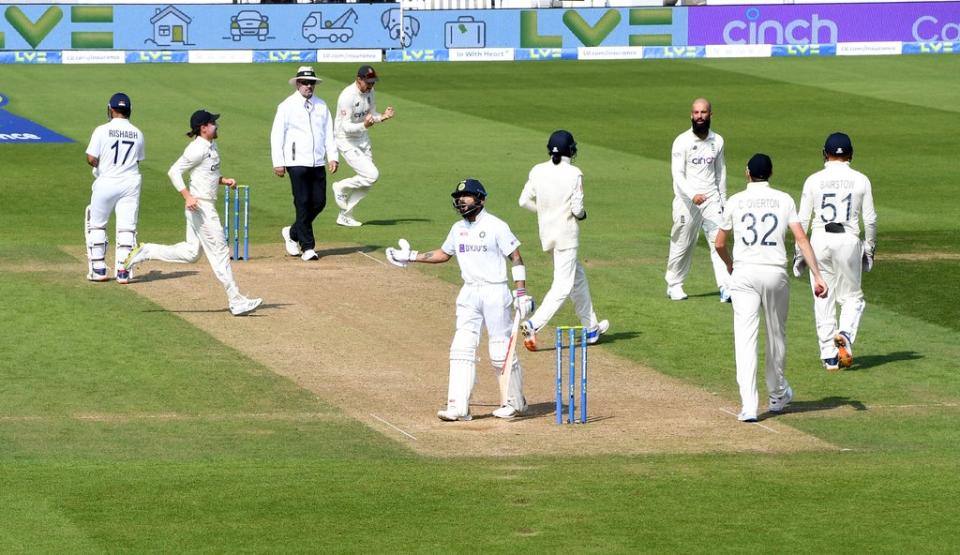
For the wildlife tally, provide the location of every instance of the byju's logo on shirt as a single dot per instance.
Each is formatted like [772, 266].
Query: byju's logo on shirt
[464, 248]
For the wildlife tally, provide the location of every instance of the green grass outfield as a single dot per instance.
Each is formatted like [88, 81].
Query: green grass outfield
[222, 478]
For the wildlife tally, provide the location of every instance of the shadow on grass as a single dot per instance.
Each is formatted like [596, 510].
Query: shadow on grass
[340, 251]
[827, 403]
[867, 362]
[254, 314]
[547, 342]
[157, 275]
[396, 221]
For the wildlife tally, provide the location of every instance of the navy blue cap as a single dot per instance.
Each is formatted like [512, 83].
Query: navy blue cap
[838, 144]
[760, 166]
[120, 102]
[469, 187]
[201, 118]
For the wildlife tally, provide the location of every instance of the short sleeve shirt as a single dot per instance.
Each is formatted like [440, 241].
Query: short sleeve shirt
[759, 217]
[481, 248]
[119, 147]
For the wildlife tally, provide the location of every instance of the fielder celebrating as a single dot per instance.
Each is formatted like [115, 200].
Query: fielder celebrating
[758, 218]
[115, 151]
[356, 113]
[554, 190]
[837, 196]
[700, 191]
[204, 230]
[481, 242]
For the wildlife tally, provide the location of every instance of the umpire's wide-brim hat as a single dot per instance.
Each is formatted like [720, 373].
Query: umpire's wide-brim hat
[305, 73]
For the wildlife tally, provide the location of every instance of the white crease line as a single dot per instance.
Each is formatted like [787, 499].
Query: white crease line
[394, 427]
[377, 260]
[768, 428]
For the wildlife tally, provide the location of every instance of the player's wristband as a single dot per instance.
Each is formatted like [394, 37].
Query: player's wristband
[519, 273]
[412, 257]
[520, 292]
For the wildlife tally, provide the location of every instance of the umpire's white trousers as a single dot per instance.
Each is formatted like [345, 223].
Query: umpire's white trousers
[205, 231]
[569, 280]
[478, 305]
[839, 256]
[688, 219]
[349, 192]
[754, 287]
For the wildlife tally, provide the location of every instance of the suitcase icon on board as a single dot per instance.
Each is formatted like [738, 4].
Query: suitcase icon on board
[465, 32]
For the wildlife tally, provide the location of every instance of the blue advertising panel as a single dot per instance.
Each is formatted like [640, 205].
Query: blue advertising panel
[301, 27]
[16, 129]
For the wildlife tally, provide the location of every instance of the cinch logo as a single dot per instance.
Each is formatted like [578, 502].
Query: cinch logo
[701, 160]
[771, 31]
[925, 29]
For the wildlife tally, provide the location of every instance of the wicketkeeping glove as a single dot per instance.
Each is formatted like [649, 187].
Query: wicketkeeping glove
[523, 303]
[403, 255]
[799, 265]
[867, 261]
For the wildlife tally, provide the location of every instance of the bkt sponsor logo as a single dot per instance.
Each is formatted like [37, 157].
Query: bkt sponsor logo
[928, 29]
[753, 29]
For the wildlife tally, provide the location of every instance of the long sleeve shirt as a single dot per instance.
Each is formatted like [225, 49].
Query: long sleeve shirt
[202, 159]
[302, 133]
[555, 193]
[698, 166]
[353, 107]
[840, 194]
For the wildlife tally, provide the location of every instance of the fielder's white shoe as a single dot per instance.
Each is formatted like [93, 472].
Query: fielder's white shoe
[244, 306]
[725, 296]
[346, 220]
[293, 248]
[134, 257]
[123, 277]
[676, 293]
[844, 349]
[98, 274]
[529, 335]
[745, 417]
[507, 412]
[451, 415]
[778, 404]
[594, 335]
[310, 254]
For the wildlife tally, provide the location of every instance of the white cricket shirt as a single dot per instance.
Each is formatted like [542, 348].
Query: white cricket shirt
[352, 108]
[555, 193]
[202, 159]
[698, 166]
[119, 147]
[481, 248]
[759, 217]
[841, 194]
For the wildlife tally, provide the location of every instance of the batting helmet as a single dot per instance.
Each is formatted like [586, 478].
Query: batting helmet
[561, 143]
[470, 187]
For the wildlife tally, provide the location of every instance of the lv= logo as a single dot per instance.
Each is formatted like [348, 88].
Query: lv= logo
[35, 31]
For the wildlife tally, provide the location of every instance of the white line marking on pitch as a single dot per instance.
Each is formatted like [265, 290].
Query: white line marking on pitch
[378, 261]
[394, 427]
[733, 414]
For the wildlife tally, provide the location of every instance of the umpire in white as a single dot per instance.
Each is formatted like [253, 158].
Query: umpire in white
[300, 140]
[758, 218]
[837, 197]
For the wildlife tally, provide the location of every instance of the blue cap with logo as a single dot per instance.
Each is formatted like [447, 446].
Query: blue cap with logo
[121, 103]
[760, 166]
[469, 187]
[838, 144]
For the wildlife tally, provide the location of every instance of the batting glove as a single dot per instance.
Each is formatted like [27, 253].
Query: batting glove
[523, 303]
[403, 255]
[799, 265]
[867, 261]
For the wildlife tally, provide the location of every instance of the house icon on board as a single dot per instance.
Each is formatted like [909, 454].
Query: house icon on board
[170, 27]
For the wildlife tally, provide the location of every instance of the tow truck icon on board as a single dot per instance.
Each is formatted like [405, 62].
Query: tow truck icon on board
[337, 30]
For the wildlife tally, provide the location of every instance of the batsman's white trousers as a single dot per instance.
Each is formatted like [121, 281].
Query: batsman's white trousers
[110, 195]
[204, 231]
[688, 219]
[479, 305]
[349, 192]
[839, 256]
[754, 287]
[569, 280]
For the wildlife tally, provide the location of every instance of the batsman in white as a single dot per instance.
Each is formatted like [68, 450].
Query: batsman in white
[757, 219]
[481, 242]
[837, 197]
[115, 151]
[554, 190]
[204, 230]
[356, 113]
[700, 191]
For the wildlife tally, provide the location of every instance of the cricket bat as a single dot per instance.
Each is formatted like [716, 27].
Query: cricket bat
[507, 369]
